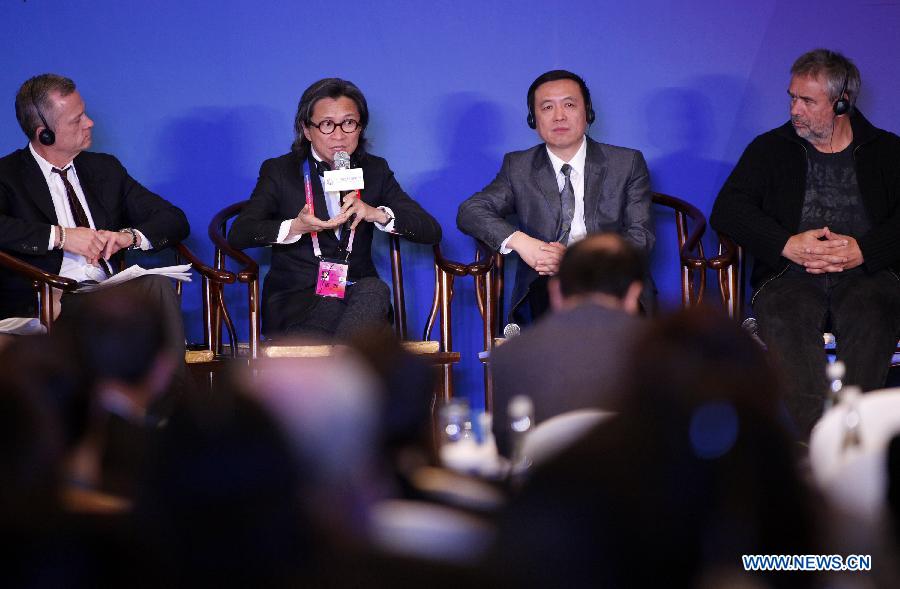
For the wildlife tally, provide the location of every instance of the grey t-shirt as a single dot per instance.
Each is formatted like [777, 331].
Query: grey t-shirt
[832, 197]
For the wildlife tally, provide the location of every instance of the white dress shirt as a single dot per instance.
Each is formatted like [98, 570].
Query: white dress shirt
[579, 228]
[333, 204]
[74, 266]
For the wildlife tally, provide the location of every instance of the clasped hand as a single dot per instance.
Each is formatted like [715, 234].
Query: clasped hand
[93, 244]
[542, 256]
[821, 251]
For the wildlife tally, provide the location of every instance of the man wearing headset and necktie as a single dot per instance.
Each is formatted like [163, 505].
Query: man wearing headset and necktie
[72, 212]
[560, 190]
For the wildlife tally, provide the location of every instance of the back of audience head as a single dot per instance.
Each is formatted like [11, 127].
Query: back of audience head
[327, 406]
[695, 471]
[119, 343]
[695, 357]
[407, 386]
[32, 438]
[329, 409]
[604, 268]
[220, 503]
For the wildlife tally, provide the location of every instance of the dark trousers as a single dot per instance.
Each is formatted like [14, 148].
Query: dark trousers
[862, 311]
[365, 306]
[157, 290]
[534, 305]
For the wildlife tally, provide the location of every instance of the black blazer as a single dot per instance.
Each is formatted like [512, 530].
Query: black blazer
[115, 200]
[280, 195]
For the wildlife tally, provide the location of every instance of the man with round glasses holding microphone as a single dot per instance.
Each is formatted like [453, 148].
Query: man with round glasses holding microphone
[318, 207]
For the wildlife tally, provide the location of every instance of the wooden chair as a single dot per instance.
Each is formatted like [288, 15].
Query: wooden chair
[730, 268]
[690, 225]
[437, 352]
[212, 285]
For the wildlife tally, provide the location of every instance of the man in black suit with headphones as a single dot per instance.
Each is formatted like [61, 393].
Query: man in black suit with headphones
[816, 203]
[74, 213]
[560, 190]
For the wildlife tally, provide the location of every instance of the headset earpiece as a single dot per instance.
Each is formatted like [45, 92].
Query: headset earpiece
[530, 120]
[841, 106]
[46, 136]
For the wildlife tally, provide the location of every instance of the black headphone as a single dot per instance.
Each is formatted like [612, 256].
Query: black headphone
[553, 76]
[47, 136]
[842, 105]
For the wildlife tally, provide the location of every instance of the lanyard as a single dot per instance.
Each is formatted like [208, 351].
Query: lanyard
[312, 208]
[314, 235]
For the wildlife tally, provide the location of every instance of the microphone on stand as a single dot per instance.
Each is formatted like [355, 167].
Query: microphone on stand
[511, 330]
[751, 326]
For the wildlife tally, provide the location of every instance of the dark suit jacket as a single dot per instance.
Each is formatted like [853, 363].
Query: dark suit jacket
[115, 201]
[279, 195]
[568, 360]
[617, 198]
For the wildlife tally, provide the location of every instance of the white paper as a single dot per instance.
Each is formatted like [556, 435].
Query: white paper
[349, 179]
[21, 326]
[181, 273]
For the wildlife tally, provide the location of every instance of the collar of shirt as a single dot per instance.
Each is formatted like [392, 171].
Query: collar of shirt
[577, 161]
[47, 168]
[317, 157]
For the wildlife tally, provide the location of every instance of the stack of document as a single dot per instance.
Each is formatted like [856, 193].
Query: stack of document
[181, 273]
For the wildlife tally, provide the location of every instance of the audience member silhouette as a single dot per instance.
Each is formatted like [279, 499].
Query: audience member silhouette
[693, 473]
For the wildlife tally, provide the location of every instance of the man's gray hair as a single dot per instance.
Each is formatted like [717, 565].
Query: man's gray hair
[34, 94]
[835, 68]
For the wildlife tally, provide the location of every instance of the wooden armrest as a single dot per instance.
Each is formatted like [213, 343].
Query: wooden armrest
[729, 255]
[447, 265]
[485, 260]
[221, 276]
[250, 270]
[36, 274]
[692, 241]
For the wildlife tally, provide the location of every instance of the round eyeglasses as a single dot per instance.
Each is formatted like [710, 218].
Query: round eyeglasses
[328, 126]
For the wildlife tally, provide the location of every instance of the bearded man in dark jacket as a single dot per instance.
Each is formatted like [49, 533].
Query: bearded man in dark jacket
[816, 204]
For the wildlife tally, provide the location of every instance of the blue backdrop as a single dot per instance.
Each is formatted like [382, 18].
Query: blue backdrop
[193, 96]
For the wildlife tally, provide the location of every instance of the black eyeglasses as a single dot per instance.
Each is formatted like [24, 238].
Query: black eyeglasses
[328, 126]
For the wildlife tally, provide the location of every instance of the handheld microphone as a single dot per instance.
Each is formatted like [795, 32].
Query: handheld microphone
[341, 160]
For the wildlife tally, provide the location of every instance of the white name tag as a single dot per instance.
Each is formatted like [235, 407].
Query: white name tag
[351, 179]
